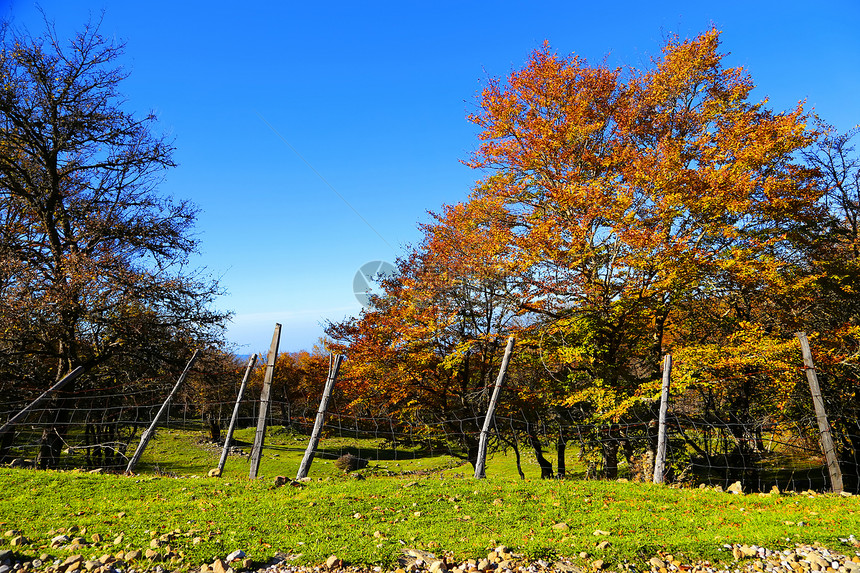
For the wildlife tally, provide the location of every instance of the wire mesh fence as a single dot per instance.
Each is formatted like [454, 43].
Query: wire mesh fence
[100, 428]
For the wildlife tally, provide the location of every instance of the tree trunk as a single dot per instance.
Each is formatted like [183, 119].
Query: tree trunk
[560, 447]
[54, 436]
[6, 441]
[545, 464]
[517, 454]
[609, 448]
[214, 424]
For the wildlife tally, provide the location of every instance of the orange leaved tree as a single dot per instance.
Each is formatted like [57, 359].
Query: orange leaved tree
[642, 208]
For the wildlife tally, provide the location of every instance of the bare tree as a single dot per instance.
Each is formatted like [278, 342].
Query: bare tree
[93, 260]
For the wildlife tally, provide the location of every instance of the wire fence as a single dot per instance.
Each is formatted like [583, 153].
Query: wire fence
[99, 428]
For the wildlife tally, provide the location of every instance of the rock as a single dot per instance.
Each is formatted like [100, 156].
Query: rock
[333, 561]
[483, 564]
[598, 565]
[281, 481]
[562, 526]
[247, 563]
[132, 555]
[603, 544]
[600, 532]
[657, 563]
[155, 543]
[12, 533]
[775, 490]
[90, 565]
[96, 471]
[438, 566]
[238, 554]
[59, 540]
[214, 473]
[118, 539]
[735, 488]
[71, 560]
[5, 568]
[358, 477]
[96, 538]
[18, 541]
[219, 566]
[304, 480]
[5, 554]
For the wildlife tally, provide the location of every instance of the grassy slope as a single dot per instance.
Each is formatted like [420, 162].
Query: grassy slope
[445, 511]
[460, 515]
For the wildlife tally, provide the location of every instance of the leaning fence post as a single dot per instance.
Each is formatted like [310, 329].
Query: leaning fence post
[662, 437]
[821, 415]
[251, 362]
[45, 395]
[491, 409]
[265, 398]
[308, 458]
[147, 435]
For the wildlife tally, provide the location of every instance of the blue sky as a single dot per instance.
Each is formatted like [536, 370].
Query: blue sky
[315, 136]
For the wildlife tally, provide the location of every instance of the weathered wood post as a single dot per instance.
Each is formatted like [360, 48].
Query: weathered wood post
[265, 399]
[147, 435]
[308, 458]
[662, 436]
[251, 362]
[821, 415]
[491, 410]
[45, 395]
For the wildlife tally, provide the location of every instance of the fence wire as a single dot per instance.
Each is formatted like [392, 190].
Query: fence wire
[100, 428]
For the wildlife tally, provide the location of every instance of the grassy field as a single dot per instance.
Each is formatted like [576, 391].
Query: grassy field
[433, 507]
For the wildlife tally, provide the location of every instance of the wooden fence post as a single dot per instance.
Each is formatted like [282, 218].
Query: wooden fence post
[265, 398]
[251, 362]
[45, 395]
[491, 410]
[308, 458]
[147, 435]
[821, 415]
[662, 436]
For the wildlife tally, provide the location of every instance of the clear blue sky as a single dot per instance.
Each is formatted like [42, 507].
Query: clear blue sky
[373, 96]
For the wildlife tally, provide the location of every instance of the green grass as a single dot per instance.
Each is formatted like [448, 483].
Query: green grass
[414, 499]
[463, 516]
[180, 453]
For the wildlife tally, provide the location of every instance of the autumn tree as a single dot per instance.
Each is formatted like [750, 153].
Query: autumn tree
[637, 198]
[429, 347]
[93, 260]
